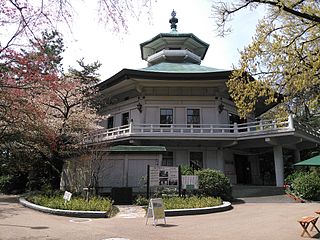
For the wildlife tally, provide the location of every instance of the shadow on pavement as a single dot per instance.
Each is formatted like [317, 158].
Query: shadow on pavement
[166, 225]
[37, 227]
[236, 201]
[8, 199]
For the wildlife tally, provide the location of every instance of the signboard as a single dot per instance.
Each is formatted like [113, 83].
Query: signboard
[164, 176]
[67, 196]
[189, 182]
[156, 210]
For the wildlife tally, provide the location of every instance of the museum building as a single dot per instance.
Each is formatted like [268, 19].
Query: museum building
[177, 112]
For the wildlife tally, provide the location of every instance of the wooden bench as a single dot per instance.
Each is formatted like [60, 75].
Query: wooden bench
[305, 222]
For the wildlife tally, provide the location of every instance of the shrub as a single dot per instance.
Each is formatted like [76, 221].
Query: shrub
[186, 170]
[290, 178]
[12, 183]
[4, 183]
[306, 185]
[141, 201]
[214, 183]
[190, 202]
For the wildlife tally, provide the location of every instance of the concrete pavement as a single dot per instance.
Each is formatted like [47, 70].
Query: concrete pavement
[246, 221]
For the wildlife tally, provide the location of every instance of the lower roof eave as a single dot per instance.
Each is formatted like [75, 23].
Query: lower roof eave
[308, 137]
[267, 135]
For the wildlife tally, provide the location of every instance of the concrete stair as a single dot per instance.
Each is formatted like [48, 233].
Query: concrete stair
[244, 191]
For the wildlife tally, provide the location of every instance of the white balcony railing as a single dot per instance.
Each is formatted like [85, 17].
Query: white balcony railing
[252, 129]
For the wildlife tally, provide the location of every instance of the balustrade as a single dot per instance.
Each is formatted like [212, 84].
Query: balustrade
[196, 130]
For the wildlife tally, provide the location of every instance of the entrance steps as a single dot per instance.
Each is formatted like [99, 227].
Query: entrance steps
[244, 191]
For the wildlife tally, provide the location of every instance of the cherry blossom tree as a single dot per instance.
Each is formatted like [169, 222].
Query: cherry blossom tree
[44, 110]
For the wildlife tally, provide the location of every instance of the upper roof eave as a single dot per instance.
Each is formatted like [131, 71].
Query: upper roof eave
[132, 73]
[175, 35]
[182, 35]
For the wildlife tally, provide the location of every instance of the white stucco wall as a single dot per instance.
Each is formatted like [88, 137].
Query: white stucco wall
[229, 166]
[152, 115]
[182, 157]
[211, 161]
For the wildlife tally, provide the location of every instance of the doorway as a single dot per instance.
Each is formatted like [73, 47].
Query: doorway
[243, 169]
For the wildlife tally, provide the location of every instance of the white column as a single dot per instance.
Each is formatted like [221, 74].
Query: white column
[278, 164]
[125, 170]
[220, 160]
[297, 156]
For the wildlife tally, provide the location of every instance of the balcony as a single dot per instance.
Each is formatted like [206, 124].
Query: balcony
[251, 130]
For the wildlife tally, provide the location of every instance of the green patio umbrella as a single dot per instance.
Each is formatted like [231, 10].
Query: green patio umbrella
[314, 161]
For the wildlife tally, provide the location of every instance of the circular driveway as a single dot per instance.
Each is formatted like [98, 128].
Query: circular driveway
[259, 220]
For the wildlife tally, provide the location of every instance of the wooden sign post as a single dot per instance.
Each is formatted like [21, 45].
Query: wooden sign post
[156, 211]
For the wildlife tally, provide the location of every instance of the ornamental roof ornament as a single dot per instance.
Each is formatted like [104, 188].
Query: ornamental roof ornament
[173, 21]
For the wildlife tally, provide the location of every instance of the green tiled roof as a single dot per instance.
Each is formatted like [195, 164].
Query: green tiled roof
[175, 35]
[180, 68]
[125, 148]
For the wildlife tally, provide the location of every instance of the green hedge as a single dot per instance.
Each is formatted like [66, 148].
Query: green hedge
[190, 202]
[76, 203]
[183, 202]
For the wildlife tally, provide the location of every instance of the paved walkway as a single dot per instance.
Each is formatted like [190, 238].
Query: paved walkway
[130, 211]
[263, 221]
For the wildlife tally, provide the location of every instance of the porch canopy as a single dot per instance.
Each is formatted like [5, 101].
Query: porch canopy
[314, 161]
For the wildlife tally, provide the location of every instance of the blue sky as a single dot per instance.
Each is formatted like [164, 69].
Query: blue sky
[94, 41]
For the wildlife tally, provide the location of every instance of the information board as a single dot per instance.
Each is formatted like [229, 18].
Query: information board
[189, 182]
[156, 210]
[164, 176]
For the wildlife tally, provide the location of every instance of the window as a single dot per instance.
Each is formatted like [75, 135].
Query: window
[110, 123]
[193, 116]
[167, 159]
[125, 119]
[166, 116]
[196, 160]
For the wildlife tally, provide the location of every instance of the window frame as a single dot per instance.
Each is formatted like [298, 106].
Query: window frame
[192, 123]
[166, 157]
[195, 164]
[123, 122]
[163, 124]
[110, 120]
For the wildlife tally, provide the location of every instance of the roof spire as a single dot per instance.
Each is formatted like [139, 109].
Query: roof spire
[173, 21]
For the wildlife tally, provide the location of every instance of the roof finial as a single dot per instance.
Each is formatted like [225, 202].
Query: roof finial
[173, 21]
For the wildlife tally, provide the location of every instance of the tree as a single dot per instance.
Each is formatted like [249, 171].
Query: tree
[45, 111]
[24, 19]
[284, 57]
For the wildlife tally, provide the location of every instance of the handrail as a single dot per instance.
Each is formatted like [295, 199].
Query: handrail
[228, 130]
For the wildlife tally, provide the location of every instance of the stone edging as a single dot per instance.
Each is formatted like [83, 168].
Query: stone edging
[195, 211]
[295, 198]
[61, 212]
[100, 214]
